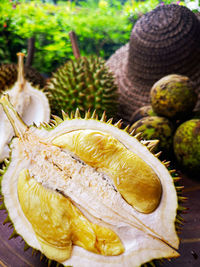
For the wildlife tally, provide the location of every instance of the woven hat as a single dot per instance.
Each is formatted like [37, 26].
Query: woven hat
[163, 41]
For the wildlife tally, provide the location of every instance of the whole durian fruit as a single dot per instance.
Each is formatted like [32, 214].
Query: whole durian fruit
[156, 128]
[187, 145]
[84, 83]
[30, 102]
[85, 193]
[173, 96]
[9, 73]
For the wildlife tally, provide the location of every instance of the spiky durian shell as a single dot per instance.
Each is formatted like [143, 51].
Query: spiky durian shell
[8, 76]
[149, 144]
[83, 83]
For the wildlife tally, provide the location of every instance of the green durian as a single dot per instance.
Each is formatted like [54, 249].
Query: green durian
[84, 83]
[187, 145]
[173, 96]
[85, 193]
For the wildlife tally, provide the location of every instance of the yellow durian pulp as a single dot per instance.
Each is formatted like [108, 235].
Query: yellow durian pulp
[131, 175]
[58, 224]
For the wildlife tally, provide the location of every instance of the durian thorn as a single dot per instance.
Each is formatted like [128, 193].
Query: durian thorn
[179, 188]
[2, 206]
[41, 256]
[172, 171]
[126, 129]
[110, 121]
[176, 179]
[179, 217]
[132, 132]
[49, 263]
[20, 77]
[7, 220]
[57, 119]
[152, 144]
[13, 235]
[6, 161]
[182, 209]
[179, 222]
[72, 115]
[94, 114]
[65, 115]
[103, 117]
[118, 124]
[18, 125]
[52, 124]
[87, 115]
[138, 136]
[77, 114]
[182, 199]
[166, 163]
[26, 246]
[34, 251]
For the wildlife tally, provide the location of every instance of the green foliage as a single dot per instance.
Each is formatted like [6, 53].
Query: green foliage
[101, 27]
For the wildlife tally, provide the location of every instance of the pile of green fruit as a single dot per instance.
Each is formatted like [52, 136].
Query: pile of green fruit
[171, 119]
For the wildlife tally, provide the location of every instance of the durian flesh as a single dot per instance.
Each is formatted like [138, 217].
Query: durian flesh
[30, 102]
[86, 193]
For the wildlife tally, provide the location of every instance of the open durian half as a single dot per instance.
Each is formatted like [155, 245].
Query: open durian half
[86, 193]
[30, 102]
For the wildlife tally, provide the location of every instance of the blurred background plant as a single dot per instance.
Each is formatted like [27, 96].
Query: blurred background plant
[101, 27]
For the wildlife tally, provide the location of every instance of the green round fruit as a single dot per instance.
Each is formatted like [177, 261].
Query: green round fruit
[84, 83]
[173, 96]
[142, 112]
[187, 144]
[155, 127]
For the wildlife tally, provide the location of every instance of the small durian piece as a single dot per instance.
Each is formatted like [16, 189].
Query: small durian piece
[83, 83]
[86, 193]
[9, 73]
[30, 102]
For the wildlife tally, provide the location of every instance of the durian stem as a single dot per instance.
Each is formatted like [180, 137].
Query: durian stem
[74, 43]
[18, 125]
[20, 77]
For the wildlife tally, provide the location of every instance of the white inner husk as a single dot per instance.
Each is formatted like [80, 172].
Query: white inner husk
[140, 247]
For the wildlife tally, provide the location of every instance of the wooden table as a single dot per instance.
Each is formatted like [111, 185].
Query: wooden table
[12, 253]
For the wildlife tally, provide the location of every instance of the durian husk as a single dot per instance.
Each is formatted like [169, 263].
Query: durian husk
[9, 74]
[107, 124]
[83, 83]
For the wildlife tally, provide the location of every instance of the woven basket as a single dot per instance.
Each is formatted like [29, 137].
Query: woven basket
[163, 41]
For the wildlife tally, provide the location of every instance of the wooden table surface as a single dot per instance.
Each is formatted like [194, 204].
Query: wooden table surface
[12, 253]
